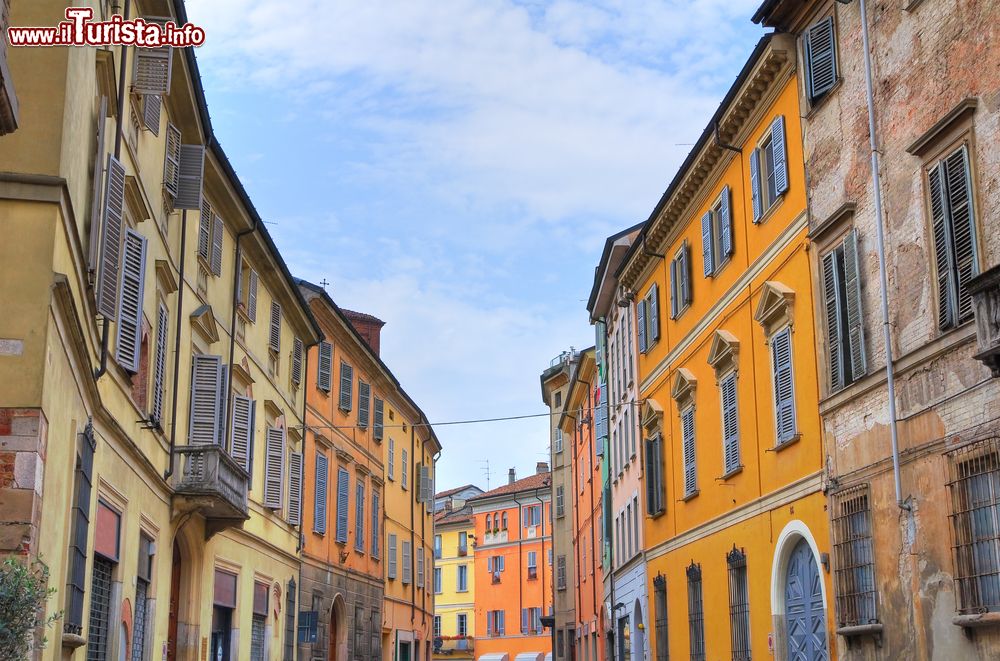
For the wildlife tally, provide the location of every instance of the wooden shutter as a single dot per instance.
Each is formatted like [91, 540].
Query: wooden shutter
[653, 314]
[524, 620]
[274, 335]
[172, 161]
[420, 566]
[111, 240]
[725, 225]
[832, 303]
[218, 232]
[153, 70]
[376, 535]
[641, 326]
[346, 386]
[95, 191]
[560, 501]
[359, 515]
[159, 364]
[223, 404]
[190, 177]
[855, 317]
[252, 295]
[129, 337]
[274, 467]
[204, 414]
[295, 488]
[684, 270]
[343, 484]
[707, 244]
[324, 366]
[687, 435]
[379, 426]
[241, 432]
[151, 113]
[364, 403]
[963, 231]
[205, 229]
[730, 425]
[780, 157]
[321, 495]
[407, 563]
[296, 361]
[675, 290]
[391, 468]
[784, 387]
[391, 551]
[755, 192]
[820, 58]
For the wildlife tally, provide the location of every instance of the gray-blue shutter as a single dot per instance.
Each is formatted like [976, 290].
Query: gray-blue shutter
[755, 185]
[346, 386]
[642, 325]
[274, 467]
[205, 229]
[707, 244]
[241, 431]
[223, 404]
[190, 176]
[129, 336]
[343, 494]
[252, 295]
[96, 201]
[218, 232]
[153, 70]
[675, 290]
[378, 428]
[296, 361]
[274, 331]
[321, 496]
[111, 240]
[391, 552]
[687, 436]
[524, 620]
[784, 385]
[684, 270]
[730, 424]
[653, 312]
[159, 364]
[324, 366]
[780, 156]
[820, 58]
[376, 535]
[725, 221]
[295, 488]
[963, 232]
[855, 320]
[364, 403]
[151, 113]
[203, 418]
[172, 161]
[359, 515]
[832, 303]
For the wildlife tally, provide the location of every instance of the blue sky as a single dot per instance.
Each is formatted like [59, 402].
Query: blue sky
[454, 166]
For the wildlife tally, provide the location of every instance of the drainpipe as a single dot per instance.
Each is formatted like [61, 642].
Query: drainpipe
[119, 129]
[237, 279]
[305, 428]
[413, 536]
[177, 348]
[880, 247]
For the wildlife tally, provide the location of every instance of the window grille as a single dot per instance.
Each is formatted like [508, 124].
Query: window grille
[100, 609]
[290, 622]
[696, 614]
[139, 628]
[974, 472]
[257, 638]
[854, 574]
[662, 629]
[739, 604]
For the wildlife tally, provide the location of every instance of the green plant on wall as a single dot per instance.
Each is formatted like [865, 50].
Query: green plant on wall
[23, 592]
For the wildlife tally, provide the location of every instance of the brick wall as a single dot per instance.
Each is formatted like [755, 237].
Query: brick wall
[22, 455]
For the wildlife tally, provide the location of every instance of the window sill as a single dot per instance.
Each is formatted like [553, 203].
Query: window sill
[784, 444]
[977, 620]
[859, 630]
[71, 641]
[771, 210]
[689, 496]
[734, 472]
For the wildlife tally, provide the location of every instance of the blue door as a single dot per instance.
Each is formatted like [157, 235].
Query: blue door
[804, 613]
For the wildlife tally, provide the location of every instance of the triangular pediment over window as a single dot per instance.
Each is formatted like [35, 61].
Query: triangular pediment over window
[774, 310]
[652, 415]
[724, 352]
[684, 385]
[203, 321]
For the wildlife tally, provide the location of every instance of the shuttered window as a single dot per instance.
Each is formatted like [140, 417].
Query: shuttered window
[159, 365]
[241, 430]
[407, 561]
[153, 70]
[364, 403]
[842, 305]
[205, 230]
[717, 234]
[129, 336]
[560, 502]
[111, 237]
[190, 177]
[324, 367]
[295, 488]
[151, 113]
[405, 467]
[378, 428]
[252, 283]
[206, 375]
[172, 161]
[561, 572]
[654, 475]
[376, 532]
[651, 316]
[730, 424]
[680, 281]
[641, 314]
[274, 334]
[688, 449]
[359, 516]
[420, 566]
[954, 229]
[297, 361]
[784, 386]
[391, 551]
[391, 468]
[223, 404]
[343, 486]
[321, 495]
[819, 42]
[346, 387]
[218, 232]
[274, 467]
[769, 169]
[97, 201]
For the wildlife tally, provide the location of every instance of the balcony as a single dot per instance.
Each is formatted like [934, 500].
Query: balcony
[495, 537]
[208, 481]
[462, 646]
[985, 292]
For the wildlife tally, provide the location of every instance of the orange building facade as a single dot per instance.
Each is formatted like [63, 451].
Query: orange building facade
[513, 567]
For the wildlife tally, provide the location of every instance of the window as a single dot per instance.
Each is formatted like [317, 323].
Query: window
[845, 334]
[531, 620]
[80, 526]
[378, 427]
[346, 387]
[247, 295]
[532, 515]
[462, 578]
[690, 465]
[274, 467]
[494, 623]
[730, 424]
[560, 502]
[532, 564]
[784, 386]
[407, 563]
[463, 626]
[558, 440]
[404, 465]
[680, 284]
[343, 484]
[854, 571]
[696, 615]
[321, 495]
[662, 625]
[324, 366]
[274, 334]
[975, 494]
[308, 627]
[503, 521]
[954, 229]
[820, 57]
[495, 567]
[558, 399]
[717, 235]
[739, 604]
[98, 642]
[359, 516]
[561, 572]
[376, 534]
[420, 566]
[130, 301]
[376, 636]
[437, 626]
[437, 546]
[211, 231]
[258, 622]
[437, 580]
[768, 169]
[649, 327]
[143, 576]
[463, 543]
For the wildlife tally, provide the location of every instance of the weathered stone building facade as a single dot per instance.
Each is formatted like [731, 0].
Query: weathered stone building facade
[919, 578]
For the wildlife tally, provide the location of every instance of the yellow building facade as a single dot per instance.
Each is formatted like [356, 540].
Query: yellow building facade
[454, 581]
[736, 532]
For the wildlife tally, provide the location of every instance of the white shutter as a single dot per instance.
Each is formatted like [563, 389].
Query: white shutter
[252, 295]
[151, 113]
[159, 364]
[274, 336]
[153, 70]
[274, 467]
[190, 177]
[324, 366]
[129, 338]
[172, 161]
[111, 240]
[218, 233]
[295, 488]
[205, 229]
[780, 157]
[321, 496]
[296, 361]
[241, 432]
[204, 414]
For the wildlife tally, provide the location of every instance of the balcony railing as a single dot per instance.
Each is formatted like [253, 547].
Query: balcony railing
[209, 481]
[452, 644]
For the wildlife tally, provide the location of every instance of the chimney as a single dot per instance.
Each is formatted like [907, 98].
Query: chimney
[511, 476]
[541, 467]
[368, 327]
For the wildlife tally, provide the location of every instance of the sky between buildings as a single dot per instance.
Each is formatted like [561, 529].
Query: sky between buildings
[454, 166]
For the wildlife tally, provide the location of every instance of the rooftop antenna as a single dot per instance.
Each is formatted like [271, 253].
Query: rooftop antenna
[485, 463]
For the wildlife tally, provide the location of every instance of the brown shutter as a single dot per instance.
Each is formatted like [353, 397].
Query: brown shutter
[129, 338]
[111, 238]
[153, 70]
[95, 191]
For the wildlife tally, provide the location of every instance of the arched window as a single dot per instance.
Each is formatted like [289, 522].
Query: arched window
[488, 527]
[503, 526]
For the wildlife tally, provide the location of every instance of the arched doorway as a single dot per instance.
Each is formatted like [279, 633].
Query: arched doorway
[175, 603]
[805, 615]
[337, 647]
[640, 633]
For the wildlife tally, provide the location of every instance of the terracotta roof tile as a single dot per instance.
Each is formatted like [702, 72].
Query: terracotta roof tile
[530, 483]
